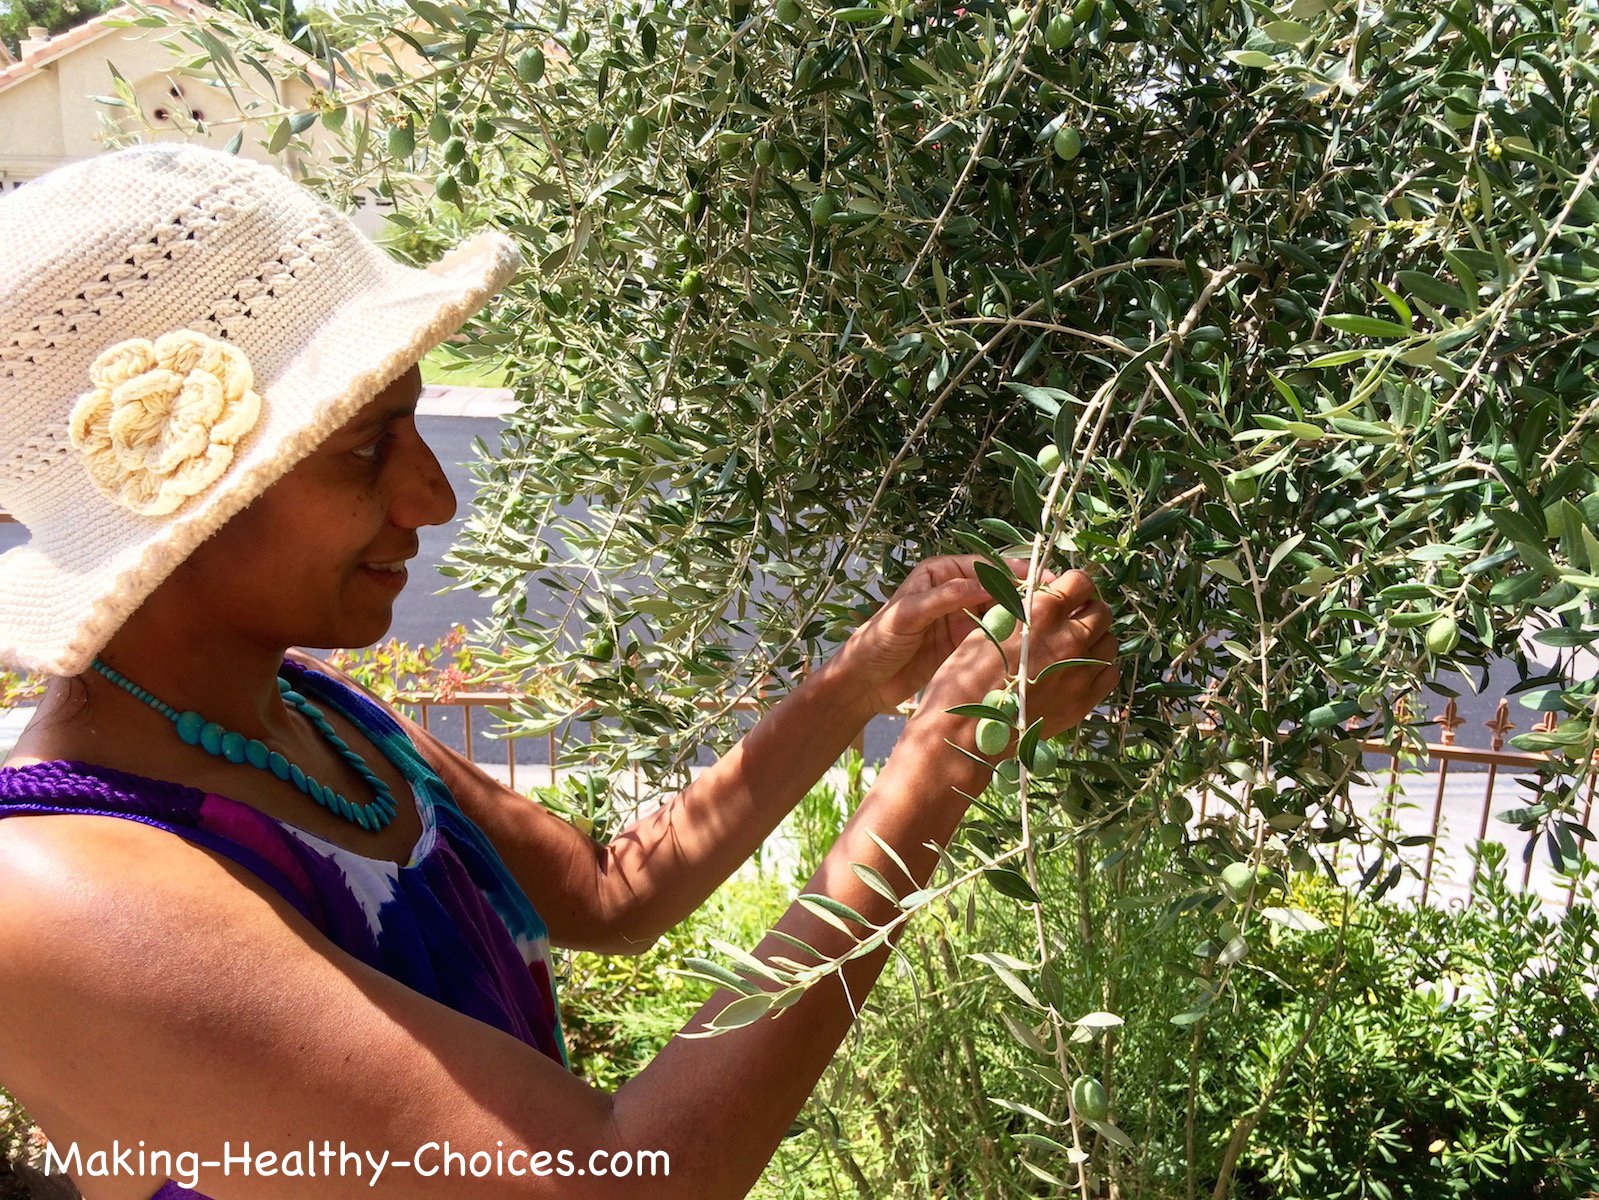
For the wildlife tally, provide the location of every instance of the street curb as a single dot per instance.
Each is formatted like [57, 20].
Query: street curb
[448, 400]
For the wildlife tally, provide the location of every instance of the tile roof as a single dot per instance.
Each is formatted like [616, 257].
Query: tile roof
[98, 27]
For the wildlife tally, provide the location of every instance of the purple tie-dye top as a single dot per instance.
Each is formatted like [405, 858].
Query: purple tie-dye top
[451, 923]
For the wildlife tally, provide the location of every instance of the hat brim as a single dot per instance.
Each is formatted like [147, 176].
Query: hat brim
[60, 604]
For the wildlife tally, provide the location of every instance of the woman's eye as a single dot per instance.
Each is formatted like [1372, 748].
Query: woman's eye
[373, 450]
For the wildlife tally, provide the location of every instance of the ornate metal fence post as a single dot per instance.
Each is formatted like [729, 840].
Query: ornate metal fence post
[1449, 722]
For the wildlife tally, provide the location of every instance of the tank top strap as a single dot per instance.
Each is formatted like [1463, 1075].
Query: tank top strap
[220, 825]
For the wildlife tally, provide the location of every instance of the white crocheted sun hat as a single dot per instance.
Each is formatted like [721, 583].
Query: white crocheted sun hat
[178, 328]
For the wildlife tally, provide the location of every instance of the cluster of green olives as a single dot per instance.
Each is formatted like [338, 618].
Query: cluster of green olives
[994, 733]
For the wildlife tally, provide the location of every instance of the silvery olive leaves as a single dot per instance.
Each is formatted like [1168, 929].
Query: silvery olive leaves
[1281, 319]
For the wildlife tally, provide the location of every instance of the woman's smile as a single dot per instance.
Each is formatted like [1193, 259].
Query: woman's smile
[391, 575]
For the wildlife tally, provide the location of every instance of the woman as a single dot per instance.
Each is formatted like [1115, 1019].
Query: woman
[254, 921]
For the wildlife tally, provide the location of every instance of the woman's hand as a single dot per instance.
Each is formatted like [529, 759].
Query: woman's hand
[892, 656]
[1069, 621]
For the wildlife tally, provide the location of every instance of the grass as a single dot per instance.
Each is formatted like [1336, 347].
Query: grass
[442, 366]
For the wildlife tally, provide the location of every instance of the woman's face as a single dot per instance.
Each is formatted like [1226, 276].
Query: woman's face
[319, 558]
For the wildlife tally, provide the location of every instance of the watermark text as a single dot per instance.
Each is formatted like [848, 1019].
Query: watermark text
[327, 1159]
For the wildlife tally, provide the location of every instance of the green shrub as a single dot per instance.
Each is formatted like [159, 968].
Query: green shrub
[1459, 1057]
[1446, 1052]
[1403, 1088]
[15, 1128]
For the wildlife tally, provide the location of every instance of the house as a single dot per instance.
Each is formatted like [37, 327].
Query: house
[51, 111]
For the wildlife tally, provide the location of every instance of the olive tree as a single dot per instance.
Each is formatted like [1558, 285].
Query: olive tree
[1278, 320]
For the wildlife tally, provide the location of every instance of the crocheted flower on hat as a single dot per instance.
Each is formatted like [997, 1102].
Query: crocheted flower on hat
[164, 418]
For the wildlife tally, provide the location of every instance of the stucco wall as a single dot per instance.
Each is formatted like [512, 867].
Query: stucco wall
[49, 118]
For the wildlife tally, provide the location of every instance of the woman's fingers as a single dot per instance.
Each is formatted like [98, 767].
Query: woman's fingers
[1074, 624]
[1089, 622]
[913, 613]
[1073, 589]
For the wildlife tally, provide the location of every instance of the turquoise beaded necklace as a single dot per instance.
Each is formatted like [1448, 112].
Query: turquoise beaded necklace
[195, 730]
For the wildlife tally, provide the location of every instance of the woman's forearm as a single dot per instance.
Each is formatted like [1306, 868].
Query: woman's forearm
[663, 866]
[764, 1072]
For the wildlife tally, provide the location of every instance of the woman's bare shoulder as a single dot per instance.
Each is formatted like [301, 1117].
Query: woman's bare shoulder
[67, 863]
[84, 901]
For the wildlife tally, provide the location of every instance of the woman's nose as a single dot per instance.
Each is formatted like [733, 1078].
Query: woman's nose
[423, 493]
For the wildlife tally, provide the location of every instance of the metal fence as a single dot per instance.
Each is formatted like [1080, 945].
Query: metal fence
[469, 714]
[1450, 802]
[1442, 807]
[1457, 800]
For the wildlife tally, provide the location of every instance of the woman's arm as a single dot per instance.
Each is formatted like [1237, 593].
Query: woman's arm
[188, 1005]
[618, 898]
[622, 896]
[155, 991]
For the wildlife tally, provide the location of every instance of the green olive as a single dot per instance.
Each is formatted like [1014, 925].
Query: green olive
[1068, 143]
[635, 132]
[454, 151]
[823, 208]
[692, 283]
[1241, 488]
[1008, 777]
[402, 140]
[1044, 759]
[1059, 31]
[692, 203]
[1236, 880]
[439, 128]
[483, 129]
[765, 153]
[992, 736]
[530, 65]
[1089, 1099]
[446, 188]
[1443, 635]
[596, 137]
[1049, 458]
[1000, 622]
[789, 11]
[1002, 700]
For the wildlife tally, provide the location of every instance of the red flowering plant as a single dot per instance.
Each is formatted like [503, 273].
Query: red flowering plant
[19, 688]
[435, 673]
